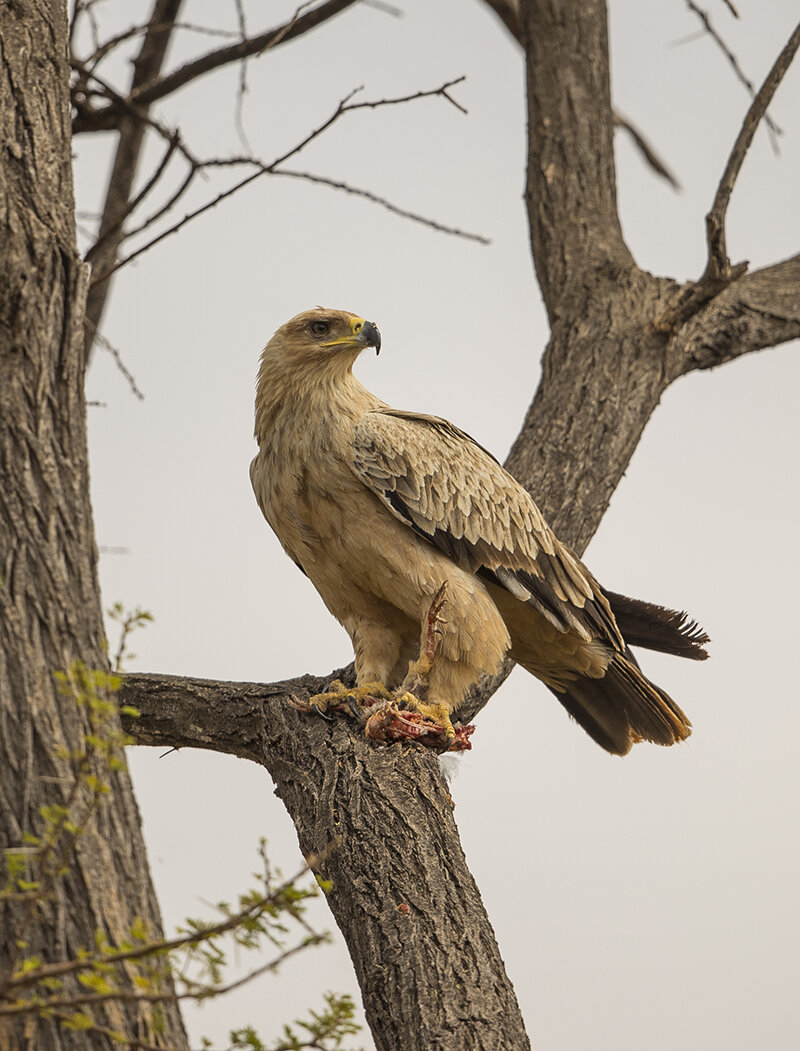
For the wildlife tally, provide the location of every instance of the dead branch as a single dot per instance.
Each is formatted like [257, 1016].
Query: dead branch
[718, 263]
[273, 168]
[719, 273]
[367, 195]
[156, 88]
[658, 165]
[115, 354]
[711, 31]
[146, 66]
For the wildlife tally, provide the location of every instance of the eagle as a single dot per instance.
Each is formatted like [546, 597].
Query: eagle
[384, 509]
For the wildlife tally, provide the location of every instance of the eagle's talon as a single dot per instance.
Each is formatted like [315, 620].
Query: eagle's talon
[339, 698]
[319, 710]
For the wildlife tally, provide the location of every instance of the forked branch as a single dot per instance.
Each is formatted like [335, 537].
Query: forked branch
[719, 273]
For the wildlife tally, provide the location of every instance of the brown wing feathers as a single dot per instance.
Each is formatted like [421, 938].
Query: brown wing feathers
[458, 497]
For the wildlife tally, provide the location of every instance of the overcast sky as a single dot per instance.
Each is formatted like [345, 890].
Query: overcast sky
[649, 902]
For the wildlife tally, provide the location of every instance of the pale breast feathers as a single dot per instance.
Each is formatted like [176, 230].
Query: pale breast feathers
[449, 490]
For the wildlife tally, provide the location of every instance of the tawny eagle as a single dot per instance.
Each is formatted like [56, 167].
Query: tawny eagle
[381, 507]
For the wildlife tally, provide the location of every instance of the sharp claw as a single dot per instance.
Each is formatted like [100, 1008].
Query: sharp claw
[351, 704]
[322, 714]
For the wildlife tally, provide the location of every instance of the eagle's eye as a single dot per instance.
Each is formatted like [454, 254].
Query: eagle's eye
[320, 328]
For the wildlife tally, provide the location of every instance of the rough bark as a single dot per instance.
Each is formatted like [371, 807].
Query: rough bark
[424, 950]
[49, 599]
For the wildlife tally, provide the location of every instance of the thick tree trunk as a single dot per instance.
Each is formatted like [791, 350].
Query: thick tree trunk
[50, 612]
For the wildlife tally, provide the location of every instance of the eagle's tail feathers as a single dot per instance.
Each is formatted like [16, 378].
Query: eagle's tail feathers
[624, 707]
[658, 628]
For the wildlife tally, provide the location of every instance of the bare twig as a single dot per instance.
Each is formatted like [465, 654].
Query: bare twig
[656, 163]
[158, 88]
[115, 354]
[719, 273]
[718, 263]
[705, 18]
[384, 203]
[109, 45]
[146, 67]
[344, 106]
[133, 204]
[240, 94]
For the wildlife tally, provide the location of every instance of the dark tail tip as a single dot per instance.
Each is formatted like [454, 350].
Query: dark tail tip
[658, 628]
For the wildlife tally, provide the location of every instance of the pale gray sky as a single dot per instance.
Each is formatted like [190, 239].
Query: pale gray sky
[645, 902]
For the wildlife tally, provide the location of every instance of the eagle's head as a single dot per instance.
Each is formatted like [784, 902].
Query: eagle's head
[317, 336]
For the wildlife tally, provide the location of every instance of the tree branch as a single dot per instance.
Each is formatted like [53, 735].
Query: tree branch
[719, 273]
[345, 106]
[396, 906]
[154, 88]
[571, 190]
[729, 55]
[759, 310]
[718, 267]
[126, 160]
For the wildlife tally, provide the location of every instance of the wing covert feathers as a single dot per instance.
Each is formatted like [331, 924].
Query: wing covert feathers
[452, 492]
[449, 490]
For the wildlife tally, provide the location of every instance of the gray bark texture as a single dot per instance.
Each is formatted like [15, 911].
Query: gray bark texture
[49, 598]
[424, 951]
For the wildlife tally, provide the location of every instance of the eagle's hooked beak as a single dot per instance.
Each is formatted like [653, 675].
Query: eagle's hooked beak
[364, 332]
[370, 336]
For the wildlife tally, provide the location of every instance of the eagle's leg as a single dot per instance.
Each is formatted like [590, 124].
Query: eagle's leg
[338, 696]
[411, 716]
[417, 679]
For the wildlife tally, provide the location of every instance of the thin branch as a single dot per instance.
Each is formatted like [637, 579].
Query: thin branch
[162, 947]
[146, 66]
[705, 18]
[656, 163]
[115, 354]
[89, 999]
[242, 91]
[384, 203]
[344, 106]
[719, 273]
[133, 204]
[155, 89]
[108, 46]
[715, 220]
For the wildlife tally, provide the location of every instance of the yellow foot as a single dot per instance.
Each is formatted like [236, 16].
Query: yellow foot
[439, 714]
[339, 696]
